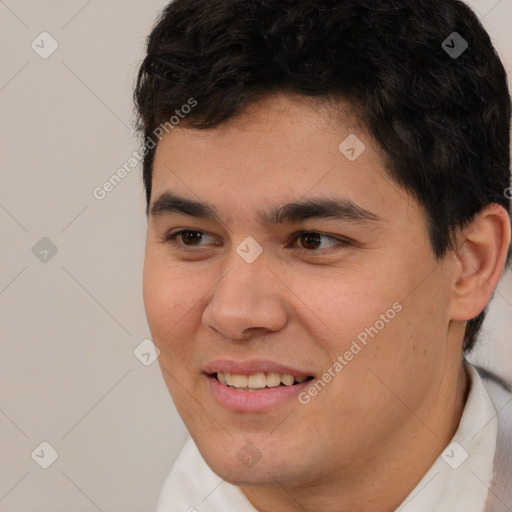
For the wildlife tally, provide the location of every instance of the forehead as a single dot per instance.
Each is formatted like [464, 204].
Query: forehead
[278, 151]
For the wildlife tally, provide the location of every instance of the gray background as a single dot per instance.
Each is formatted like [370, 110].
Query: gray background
[70, 324]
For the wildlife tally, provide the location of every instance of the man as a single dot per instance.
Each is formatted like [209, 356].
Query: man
[327, 221]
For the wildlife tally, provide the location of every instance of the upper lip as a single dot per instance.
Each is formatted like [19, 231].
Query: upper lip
[252, 366]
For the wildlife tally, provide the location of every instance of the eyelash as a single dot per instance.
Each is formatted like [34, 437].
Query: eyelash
[343, 242]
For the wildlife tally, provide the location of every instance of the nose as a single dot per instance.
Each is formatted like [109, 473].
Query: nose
[249, 300]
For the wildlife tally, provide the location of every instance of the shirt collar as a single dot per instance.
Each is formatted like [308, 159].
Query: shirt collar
[459, 479]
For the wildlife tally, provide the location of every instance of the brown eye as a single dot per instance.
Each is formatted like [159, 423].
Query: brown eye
[310, 240]
[189, 237]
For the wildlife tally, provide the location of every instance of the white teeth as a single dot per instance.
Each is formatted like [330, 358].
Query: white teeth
[273, 380]
[287, 380]
[257, 380]
[238, 381]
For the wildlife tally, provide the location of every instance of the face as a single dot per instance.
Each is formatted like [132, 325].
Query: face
[340, 288]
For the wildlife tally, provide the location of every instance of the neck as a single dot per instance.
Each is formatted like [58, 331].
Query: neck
[392, 475]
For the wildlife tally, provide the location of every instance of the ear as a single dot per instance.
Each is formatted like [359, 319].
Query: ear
[480, 260]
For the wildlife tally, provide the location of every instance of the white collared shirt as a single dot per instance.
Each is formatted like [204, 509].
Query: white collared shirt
[458, 480]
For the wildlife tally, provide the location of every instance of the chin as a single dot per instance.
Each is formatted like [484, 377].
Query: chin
[248, 467]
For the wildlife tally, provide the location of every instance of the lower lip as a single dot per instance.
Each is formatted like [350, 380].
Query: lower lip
[253, 401]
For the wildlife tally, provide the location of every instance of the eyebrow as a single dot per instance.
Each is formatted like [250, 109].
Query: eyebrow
[299, 211]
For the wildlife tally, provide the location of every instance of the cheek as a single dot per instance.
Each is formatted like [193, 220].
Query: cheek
[374, 320]
[169, 299]
[339, 307]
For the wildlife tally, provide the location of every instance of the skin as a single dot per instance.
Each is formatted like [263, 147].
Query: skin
[366, 440]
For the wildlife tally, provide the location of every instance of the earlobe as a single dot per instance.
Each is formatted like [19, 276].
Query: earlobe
[480, 261]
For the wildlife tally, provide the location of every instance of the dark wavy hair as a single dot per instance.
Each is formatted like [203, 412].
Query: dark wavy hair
[443, 121]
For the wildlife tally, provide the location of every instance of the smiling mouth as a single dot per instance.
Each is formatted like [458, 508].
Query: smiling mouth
[258, 381]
